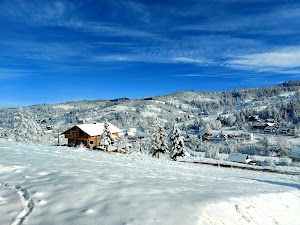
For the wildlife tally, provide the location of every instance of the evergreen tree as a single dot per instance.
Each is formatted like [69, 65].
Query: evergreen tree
[177, 148]
[159, 142]
[106, 137]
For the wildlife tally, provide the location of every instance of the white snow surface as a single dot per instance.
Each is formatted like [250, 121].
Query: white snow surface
[94, 129]
[42, 184]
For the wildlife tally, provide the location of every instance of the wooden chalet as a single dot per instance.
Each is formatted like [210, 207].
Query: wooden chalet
[88, 134]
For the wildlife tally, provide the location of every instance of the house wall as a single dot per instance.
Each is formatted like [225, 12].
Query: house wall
[116, 134]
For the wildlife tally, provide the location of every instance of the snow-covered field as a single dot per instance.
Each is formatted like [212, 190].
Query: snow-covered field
[42, 184]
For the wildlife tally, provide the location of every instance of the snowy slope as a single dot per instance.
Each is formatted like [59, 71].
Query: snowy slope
[41, 184]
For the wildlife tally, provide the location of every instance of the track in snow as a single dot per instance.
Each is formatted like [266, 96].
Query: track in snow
[27, 203]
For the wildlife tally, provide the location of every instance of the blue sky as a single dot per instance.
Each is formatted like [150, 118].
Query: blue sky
[55, 51]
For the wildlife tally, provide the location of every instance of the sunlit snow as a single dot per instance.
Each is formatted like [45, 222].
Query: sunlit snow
[42, 184]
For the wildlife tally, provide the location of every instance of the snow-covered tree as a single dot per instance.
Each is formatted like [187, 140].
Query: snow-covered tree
[265, 144]
[207, 128]
[25, 128]
[159, 141]
[177, 148]
[283, 146]
[296, 132]
[212, 151]
[107, 137]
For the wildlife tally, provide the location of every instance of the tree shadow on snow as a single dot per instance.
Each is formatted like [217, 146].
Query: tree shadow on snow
[279, 183]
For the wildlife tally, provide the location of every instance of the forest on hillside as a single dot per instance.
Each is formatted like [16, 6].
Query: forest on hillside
[230, 109]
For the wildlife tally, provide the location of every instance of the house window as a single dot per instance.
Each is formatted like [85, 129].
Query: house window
[91, 142]
[73, 132]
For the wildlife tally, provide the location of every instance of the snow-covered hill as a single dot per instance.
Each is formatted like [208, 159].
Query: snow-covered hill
[42, 184]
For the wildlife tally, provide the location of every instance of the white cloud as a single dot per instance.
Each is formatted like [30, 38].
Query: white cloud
[191, 75]
[189, 60]
[105, 29]
[14, 73]
[36, 13]
[285, 60]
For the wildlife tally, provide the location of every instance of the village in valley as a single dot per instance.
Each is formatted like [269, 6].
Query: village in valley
[233, 126]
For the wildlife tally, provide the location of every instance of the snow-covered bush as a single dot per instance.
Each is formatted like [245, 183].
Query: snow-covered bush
[283, 146]
[212, 152]
[270, 162]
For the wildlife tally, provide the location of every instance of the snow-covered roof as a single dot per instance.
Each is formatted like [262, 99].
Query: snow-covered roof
[270, 124]
[257, 124]
[94, 129]
[283, 128]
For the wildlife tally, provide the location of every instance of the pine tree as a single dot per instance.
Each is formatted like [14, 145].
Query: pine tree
[106, 137]
[177, 148]
[159, 142]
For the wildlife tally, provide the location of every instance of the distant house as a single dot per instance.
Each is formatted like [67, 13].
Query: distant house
[295, 154]
[269, 129]
[80, 121]
[88, 134]
[207, 137]
[49, 127]
[284, 130]
[258, 125]
[220, 137]
[238, 157]
[248, 136]
[254, 118]
[269, 120]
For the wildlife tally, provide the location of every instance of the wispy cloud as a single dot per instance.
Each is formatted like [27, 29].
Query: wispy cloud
[104, 29]
[14, 73]
[196, 75]
[151, 58]
[36, 12]
[276, 19]
[286, 60]
[189, 60]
